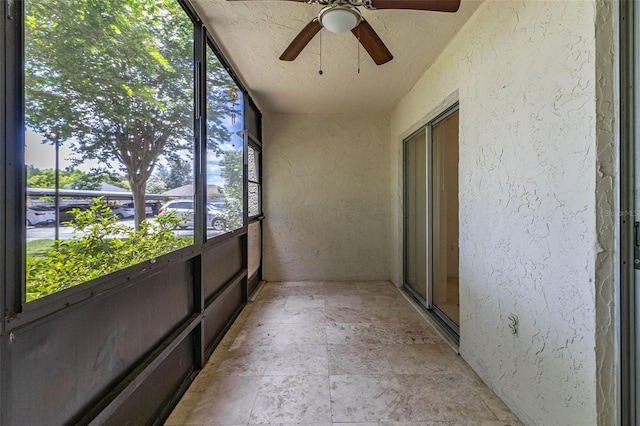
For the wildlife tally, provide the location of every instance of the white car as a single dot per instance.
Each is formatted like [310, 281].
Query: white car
[39, 215]
[184, 210]
[127, 210]
[123, 211]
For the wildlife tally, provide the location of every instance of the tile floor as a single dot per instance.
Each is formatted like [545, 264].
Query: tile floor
[336, 353]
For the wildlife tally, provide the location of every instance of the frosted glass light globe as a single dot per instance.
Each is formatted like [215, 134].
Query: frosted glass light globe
[339, 19]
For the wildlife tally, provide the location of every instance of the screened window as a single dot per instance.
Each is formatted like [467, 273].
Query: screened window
[109, 136]
[225, 149]
[255, 195]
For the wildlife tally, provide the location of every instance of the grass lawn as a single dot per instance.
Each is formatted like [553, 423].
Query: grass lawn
[38, 248]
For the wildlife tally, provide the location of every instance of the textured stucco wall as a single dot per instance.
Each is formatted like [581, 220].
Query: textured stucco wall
[606, 134]
[525, 75]
[327, 197]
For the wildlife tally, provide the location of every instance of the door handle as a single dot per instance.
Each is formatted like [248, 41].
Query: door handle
[636, 246]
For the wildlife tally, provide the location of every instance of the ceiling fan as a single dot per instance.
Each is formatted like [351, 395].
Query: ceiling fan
[340, 16]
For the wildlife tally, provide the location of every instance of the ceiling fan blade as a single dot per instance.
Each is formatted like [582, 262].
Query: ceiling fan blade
[433, 5]
[300, 42]
[372, 43]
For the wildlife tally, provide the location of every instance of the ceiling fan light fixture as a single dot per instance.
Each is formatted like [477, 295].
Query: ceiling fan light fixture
[339, 19]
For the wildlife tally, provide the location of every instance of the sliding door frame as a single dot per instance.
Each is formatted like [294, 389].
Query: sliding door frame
[627, 314]
[449, 326]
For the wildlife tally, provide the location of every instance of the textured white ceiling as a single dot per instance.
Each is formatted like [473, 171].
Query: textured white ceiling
[253, 34]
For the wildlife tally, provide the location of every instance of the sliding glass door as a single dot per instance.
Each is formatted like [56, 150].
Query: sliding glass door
[415, 221]
[629, 296]
[444, 208]
[431, 218]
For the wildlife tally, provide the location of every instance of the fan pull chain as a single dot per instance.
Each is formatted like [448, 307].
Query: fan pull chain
[320, 72]
[358, 49]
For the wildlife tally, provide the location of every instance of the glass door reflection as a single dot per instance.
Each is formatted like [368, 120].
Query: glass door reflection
[444, 220]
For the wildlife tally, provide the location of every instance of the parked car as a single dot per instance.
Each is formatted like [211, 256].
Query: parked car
[218, 205]
[184, 210]
[127, 210]
[148, 207]
[123, 211]
[40, 215]
[65, 211]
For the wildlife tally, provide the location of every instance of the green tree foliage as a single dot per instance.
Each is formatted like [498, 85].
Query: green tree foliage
[175, 174]
[115, 79]
[116, 75]
[88, 182]
[224, 101]
[70, 179]
[231, 166]
[105, 246]
[31, 171]
[43, 179]
[155, 185]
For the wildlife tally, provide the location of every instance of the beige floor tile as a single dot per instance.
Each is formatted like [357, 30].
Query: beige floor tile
[355, 424]
[453, 423]
[415, 424]
[368, 287]
[292, 399]
[273, 290]
[289, 424]
[271, 304]
[292, 360]
[347, 314]
[261, 314]
[444, 397]
[253, 334]
[217, 400]
[357, 359]
[421, 359]
[295, 288]
[408, 334]
[355, 353]
[303, 315]
[239, 361]
[303, 302]
[339, 288]
[351, 333]
[368, 399]
[301, 334]
[430, 423]
[344, 300]
[388, 314]
[388, 295]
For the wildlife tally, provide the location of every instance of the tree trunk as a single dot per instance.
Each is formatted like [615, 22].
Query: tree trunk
[138, 189]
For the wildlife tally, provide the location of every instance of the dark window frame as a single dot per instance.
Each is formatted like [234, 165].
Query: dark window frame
[257, 147]
[19, 313]
[211, 44]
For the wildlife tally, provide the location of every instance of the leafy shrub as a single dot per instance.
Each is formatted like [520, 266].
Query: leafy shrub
[106, 246]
